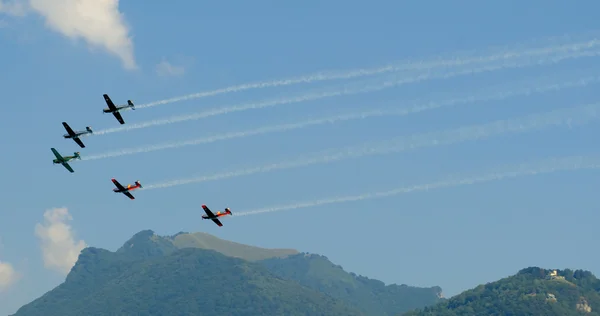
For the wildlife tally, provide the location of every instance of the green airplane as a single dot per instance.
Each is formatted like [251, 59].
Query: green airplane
[64, 160]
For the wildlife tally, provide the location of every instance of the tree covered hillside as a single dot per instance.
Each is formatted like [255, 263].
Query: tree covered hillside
[532, 291]
[184, 282]
[182, 275]
[371, 296]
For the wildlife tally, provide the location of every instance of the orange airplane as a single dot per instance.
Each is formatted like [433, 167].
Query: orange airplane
[215, 217]
[125, 190]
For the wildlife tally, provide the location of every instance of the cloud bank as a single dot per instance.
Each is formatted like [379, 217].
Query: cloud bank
[98, 22]
[59, 248]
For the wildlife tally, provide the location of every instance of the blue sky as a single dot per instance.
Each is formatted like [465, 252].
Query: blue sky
[455, 237]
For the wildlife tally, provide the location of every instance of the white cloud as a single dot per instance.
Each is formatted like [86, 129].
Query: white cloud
[98, 22]
[59, 248]
[165, 68]
[8, 275]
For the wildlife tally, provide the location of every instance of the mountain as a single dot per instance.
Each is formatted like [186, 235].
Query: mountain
[372, 297]
[228, 248]
[532, 291]
[146, 240]
[199, 274]
[150, 276]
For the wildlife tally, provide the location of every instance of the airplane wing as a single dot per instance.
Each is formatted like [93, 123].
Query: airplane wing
[68, 128]
[109, 102]
[119, 117]
[207, 210]
[118, 185]
[58, 156]
[128, 195]
[217, 222]
[79, 142]
[66, 165]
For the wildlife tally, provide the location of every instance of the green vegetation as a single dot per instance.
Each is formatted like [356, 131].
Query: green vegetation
[181, 275]
[372, 297]
[199, 274]
[187, 281]
[532, 291]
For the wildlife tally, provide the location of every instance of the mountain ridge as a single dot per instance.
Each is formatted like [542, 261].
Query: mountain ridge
[232, 279]
[531, 291]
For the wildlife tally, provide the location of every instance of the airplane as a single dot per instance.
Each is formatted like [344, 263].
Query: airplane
[64, 160]
[215, 217]
[115, 109]
[75, 135]
[125, 190]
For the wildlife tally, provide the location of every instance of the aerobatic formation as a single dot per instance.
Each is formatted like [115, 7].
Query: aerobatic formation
[125, 190]
[469, 66]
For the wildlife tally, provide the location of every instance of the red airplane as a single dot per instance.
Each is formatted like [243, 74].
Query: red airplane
[125, 190]
[215, 217]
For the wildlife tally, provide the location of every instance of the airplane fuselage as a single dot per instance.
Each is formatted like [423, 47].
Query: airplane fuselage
[216, 215]
[121, 191]
[127, 188]
[76, 135]
[107, 110]
[205, 217]
[65, 159]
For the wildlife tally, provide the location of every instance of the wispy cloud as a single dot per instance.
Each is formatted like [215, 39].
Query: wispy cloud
[60, 250]
[98, 22]
[165, 68]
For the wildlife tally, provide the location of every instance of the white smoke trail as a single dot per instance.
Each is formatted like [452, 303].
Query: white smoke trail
[347, 91]
[542, 167]
[353, 116]
[409, 65]
[570, 116]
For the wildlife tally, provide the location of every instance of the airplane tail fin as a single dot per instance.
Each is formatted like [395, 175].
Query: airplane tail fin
[227, 210]
[138, 184]
[77, 155]
[131, 104]
[89, 129]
